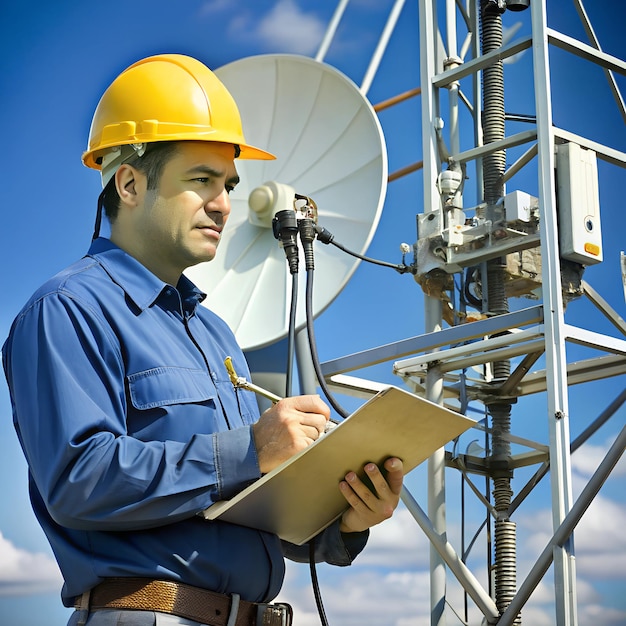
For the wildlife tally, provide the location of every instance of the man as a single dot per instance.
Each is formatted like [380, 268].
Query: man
[122, 403]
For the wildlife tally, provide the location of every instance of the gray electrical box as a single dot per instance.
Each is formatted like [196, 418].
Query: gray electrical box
[578, 200]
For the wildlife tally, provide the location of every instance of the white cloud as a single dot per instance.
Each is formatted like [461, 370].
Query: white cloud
[534, 530]
[600, 549]
[285, 28]
[211, 7]
[289, 28]
[25, 573]
[600, 542]
[363, 597]
[601, 615]
[599, 538]
[585, 461]
[399, 541]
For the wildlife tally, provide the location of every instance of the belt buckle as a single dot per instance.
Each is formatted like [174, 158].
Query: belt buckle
[279, 614]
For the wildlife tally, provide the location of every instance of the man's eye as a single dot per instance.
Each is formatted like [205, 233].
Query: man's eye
[202, 180]
[230, 188]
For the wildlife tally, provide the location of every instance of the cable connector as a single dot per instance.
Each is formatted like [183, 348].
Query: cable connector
[325, 236]
[285, 229]
[307, 230]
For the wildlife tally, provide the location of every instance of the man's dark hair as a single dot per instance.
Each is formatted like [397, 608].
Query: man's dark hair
[154, 159]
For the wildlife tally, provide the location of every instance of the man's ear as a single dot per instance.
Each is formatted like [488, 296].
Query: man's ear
[126, 179]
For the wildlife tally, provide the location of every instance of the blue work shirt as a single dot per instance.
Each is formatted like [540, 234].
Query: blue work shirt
[131, 426]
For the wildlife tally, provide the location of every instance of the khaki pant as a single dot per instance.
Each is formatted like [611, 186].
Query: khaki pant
[111, 617]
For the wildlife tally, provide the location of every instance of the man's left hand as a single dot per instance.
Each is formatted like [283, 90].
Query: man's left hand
[369, 507]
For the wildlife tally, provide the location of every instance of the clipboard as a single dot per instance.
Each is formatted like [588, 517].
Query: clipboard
[301, 497]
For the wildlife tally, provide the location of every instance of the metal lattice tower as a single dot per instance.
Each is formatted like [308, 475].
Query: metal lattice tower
[449, 243]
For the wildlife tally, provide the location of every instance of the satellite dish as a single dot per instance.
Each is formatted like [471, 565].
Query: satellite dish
[330, 147]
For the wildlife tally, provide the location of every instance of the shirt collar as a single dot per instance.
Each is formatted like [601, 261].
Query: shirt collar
[139, 283]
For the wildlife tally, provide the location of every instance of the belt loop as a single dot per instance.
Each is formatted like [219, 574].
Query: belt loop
[234, 609]
[83, 607]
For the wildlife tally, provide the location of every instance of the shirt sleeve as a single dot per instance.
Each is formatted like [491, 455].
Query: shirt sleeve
[331, 546]
[65, 371]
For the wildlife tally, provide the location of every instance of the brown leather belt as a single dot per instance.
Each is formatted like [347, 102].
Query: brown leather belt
[200, 605]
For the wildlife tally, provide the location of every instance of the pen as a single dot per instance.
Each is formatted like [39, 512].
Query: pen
[239, 382]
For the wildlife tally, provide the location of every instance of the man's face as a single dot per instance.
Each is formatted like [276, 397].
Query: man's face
[179, 223]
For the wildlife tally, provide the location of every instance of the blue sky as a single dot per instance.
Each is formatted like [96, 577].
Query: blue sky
[58, 59]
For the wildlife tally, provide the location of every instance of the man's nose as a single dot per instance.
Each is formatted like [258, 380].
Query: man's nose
[220, 203]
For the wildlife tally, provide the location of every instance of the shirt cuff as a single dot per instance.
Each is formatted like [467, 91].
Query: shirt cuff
[353, 544]
[236, 461]
[331, 546]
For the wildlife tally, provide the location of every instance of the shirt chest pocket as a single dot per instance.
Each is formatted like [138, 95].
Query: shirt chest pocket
[164, 386]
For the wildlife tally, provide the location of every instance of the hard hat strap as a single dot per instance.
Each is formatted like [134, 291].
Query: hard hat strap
[96, 228]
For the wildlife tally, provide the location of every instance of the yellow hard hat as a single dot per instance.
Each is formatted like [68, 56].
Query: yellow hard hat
[168, 97]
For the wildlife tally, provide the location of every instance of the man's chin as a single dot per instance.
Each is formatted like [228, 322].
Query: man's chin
[202, 258]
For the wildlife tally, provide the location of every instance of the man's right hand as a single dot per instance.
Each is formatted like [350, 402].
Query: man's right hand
[288, 427]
